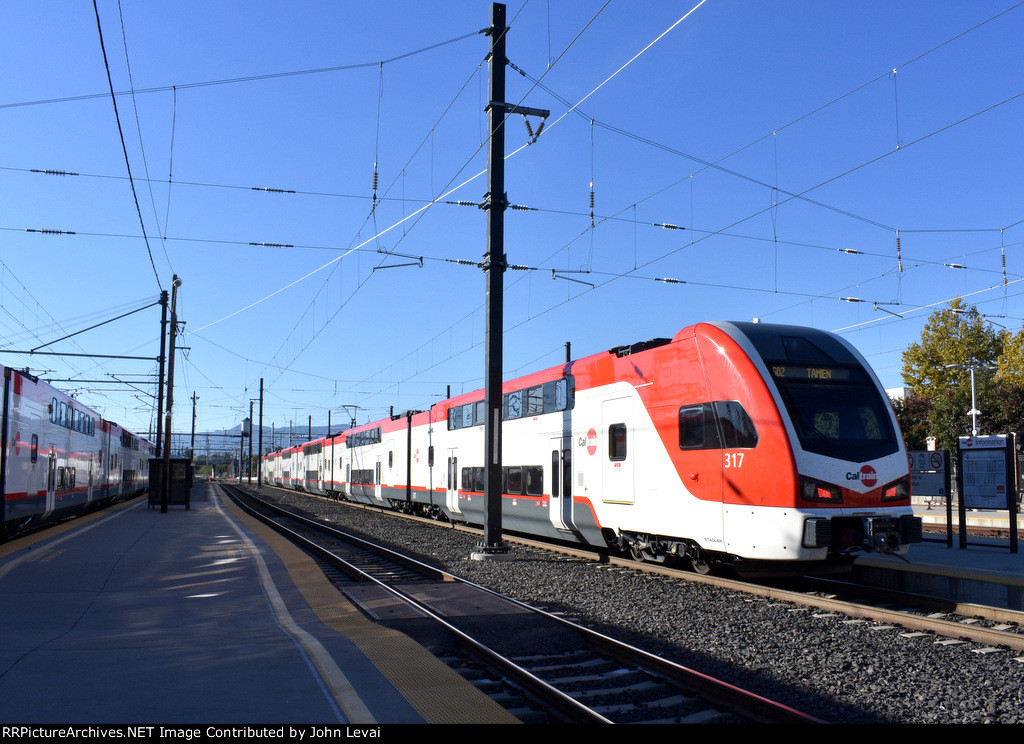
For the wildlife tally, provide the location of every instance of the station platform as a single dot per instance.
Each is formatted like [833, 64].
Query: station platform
[205, 616]
[988, 557]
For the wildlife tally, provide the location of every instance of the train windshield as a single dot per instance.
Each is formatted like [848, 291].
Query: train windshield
[837, 411]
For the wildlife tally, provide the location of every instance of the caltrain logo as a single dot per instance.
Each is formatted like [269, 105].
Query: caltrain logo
[867, 476]
[591, 442]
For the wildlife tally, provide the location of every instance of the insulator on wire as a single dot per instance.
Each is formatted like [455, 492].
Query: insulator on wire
[49, 231]
[1003, 251]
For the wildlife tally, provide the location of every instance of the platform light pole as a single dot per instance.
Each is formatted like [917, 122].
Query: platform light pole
[974, 412]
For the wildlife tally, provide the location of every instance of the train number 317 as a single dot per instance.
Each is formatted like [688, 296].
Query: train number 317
[734, 459]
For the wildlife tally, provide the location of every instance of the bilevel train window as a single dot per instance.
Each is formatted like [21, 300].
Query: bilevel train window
[534, 477]
[513, 480]
[535, 401]
[617, 442]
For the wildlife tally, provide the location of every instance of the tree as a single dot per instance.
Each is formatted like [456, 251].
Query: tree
[954, 341]
[912, 412]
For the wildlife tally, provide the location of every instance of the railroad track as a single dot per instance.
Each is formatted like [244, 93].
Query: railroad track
[581, 676]
[987, 626]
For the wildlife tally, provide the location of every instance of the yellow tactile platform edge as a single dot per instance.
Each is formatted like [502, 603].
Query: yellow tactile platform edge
[437, 692]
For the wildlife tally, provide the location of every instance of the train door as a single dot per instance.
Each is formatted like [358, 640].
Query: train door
[700, 458]
[451, 497]
[331, 486]
[620, 449]
[51, 480]
[376, 481]
[561, 513]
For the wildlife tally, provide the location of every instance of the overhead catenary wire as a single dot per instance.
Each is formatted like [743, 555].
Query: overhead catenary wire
[904, 90]
[124, 147]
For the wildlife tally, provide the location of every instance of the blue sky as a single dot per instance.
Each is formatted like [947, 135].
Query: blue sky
[777, 135]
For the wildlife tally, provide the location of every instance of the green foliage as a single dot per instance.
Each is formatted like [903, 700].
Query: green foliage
[937, 372]
[953, 339]
[912, 413]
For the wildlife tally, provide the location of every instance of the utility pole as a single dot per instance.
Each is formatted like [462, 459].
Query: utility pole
[494, 268]
[160, 386]
[494, 265]
[259, 466]
[249, 467]
[170, 396]
[192, 442]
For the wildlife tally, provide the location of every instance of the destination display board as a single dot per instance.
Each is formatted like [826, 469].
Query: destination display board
[814, 373]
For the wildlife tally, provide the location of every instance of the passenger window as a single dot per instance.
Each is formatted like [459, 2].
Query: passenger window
[617, 442]
[534, 477]
[514, 480]
[515, 404]
[561, 394]
[35, 448]
[535, 401]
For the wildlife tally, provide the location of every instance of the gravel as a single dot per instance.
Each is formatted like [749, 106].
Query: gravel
[828, 667]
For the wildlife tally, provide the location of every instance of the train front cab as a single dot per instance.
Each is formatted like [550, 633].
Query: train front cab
[843, 486]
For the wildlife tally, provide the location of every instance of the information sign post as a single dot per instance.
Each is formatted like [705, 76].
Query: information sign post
[986, 479]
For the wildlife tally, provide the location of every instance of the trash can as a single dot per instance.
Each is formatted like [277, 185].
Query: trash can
[179, 492]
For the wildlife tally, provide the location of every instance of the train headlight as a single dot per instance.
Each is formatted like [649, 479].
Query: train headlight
[813, 490]
[897, 490]
[817, 533]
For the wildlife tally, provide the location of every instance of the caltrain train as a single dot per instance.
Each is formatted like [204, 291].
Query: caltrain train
[745, 444]
[59, 457]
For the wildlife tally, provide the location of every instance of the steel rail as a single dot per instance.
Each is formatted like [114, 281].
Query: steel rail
[567, 707]
[938, 626]
[747, 704]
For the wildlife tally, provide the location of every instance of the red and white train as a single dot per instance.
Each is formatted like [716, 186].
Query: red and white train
[59, 456]
[746, 444]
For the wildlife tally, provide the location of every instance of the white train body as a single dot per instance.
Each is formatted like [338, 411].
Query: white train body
[60, 456]
[747, 444]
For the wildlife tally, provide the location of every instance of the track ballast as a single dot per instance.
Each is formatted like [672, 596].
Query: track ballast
[842, 672]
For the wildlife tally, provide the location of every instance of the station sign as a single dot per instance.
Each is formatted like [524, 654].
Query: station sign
[986, 471]
[928, 473]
